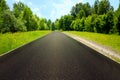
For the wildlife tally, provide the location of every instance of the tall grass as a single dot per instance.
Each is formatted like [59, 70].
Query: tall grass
[110, 40]
[11, 41]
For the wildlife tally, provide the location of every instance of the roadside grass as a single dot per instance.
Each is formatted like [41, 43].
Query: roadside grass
[112, 41]
[11, 41]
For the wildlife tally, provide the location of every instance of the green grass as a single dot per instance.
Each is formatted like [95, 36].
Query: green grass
[110, 40]
[11, 41]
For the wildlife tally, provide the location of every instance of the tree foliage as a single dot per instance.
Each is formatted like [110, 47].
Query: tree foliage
[118, 24]
[3, 5]
[96, 4]
[18, 8]
[10, 23]
[100, 18]
[21, 18]
[81, 10]
[65, 22]
[103, 7]
[78, 24]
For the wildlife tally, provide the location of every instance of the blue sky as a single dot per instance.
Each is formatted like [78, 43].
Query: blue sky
[53, 9]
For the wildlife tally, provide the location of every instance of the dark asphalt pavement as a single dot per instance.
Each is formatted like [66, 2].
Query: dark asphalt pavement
[57, 57]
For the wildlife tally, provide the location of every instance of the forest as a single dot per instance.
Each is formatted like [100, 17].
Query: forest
[20, 19]
[99, 18]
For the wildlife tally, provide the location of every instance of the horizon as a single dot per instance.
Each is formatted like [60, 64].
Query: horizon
[54, 9]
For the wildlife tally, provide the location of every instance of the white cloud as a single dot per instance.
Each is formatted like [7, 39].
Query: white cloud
[60, 9]
[18, 0]
[63, 8]
[37, 12]
[56, 10]
[35, 8]
[78, 1]
[30, 3]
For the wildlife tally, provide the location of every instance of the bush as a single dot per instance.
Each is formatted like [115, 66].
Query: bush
[10, 23]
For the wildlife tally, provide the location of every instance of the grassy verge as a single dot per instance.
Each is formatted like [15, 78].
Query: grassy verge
[111, 41]
[11, 41]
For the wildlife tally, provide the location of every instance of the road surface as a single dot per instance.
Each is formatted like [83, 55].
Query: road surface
[57, 57]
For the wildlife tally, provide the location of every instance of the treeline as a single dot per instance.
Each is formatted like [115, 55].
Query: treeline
[21, 18]
[100, 18]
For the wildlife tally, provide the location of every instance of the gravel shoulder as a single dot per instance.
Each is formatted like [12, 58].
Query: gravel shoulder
[114, 55]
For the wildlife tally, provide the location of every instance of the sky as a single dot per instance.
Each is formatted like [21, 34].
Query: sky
[53, 9]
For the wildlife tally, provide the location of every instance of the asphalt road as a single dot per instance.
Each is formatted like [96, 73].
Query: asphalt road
[57, 57]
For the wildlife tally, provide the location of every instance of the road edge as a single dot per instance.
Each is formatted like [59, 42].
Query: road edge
[97, 47]
[8, 52]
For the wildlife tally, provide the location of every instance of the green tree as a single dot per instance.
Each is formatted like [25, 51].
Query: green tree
[10, 23]
[96, 4]
[81, 14]
[118, 24]
[78, 24]
[80, 10]
[49, 24]
[117, 21]
[43, 24]
[65, 22]
[75, 9]
[53, 26]
[18, 8]
[3, 5]
[57, 24]
[89, 23]
[61, 23]
[98, 24]
[82, 24]
[87, 9]
[33, 23]
[109, 22]
[72, 25]
[104, 7]
[27, 16]
[117, 12]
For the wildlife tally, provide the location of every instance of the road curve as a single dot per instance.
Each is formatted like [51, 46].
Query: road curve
[57, 57]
